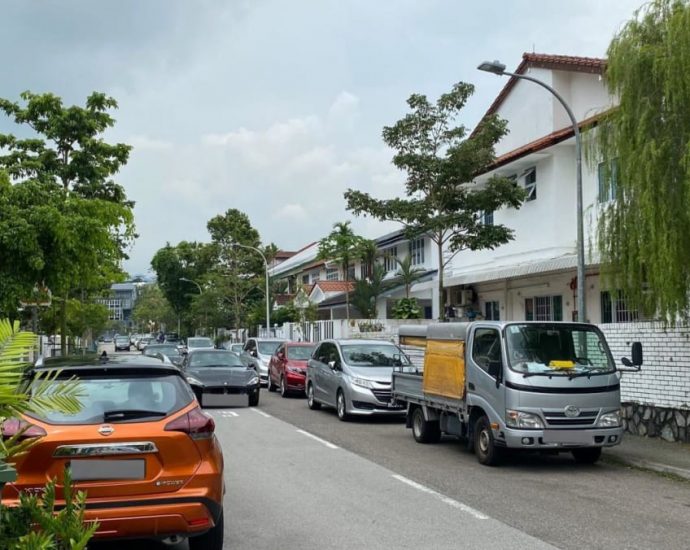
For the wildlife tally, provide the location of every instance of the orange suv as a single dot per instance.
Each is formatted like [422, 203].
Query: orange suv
[140, 447]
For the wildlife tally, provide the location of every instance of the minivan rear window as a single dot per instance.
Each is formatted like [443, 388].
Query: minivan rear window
[100, 395]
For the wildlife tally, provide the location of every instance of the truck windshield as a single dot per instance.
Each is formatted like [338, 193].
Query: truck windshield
[557, 350]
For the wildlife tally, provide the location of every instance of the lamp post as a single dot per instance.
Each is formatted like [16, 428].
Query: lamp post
[268, 309]
[499, 69]
[200, 293]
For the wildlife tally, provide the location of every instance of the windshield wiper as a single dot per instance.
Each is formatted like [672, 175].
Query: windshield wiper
[528, 374]
[588, 374]
[128, 414]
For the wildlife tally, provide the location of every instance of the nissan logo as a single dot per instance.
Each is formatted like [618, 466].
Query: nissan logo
[106, 429]
[571, 411]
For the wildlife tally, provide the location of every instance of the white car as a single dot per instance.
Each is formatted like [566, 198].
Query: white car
[198, 342]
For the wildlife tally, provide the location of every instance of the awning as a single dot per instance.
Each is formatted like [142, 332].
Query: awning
[562, 263]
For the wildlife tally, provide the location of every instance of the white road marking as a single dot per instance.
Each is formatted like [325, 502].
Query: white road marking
[262, 413]
[451, 502]
[229, 414]
[316, 438]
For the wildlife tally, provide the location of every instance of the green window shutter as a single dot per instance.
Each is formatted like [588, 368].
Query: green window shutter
[557, 308]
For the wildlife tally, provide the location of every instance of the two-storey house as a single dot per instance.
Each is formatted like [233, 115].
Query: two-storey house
[533, 277]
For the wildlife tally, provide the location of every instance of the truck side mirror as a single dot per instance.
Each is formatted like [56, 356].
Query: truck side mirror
[636, 353]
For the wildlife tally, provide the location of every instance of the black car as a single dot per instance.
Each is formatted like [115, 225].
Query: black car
[221, 378]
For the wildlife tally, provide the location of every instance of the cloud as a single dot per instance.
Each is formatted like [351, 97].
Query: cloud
[146, 143]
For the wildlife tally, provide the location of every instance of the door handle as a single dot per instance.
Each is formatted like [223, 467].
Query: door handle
[470, 386]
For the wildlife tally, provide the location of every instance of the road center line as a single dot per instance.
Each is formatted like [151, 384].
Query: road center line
[450, 501]
[262, 413]
[316, 438]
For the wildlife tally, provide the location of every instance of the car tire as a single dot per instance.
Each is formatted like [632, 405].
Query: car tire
[212, 539]
[283, 387]
[312, 403]
[484, 447]
[588, 455]
[424, 431]
[254, 398]
[341, 406]
[271, 386]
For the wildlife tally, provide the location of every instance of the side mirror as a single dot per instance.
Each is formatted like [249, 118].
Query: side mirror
[636, 352]
[333, 365]
[253, 353]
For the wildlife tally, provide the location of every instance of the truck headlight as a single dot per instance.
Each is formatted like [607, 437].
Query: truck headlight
[610, 420]
[524, 420]
[362, 383]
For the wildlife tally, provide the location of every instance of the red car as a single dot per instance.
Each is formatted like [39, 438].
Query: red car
[287, 369]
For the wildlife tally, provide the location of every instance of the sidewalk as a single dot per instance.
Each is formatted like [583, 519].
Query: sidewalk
[652, 454]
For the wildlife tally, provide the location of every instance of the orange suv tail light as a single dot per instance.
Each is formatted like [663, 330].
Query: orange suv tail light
[15, 427]
[196, 424]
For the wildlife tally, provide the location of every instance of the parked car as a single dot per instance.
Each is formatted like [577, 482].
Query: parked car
[170, 351]
[287, 369]
[262, 349]
[144, 341]
[198, 342]
[236, 347]
[220, 378]
[140, 446]
[122, 343]
[354, 376]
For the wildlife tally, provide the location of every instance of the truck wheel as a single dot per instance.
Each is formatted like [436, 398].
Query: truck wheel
[484, 446]
[588, 455]
[424, 431]
[312, 403]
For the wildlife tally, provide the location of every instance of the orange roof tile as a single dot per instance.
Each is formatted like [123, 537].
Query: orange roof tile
[335, 286]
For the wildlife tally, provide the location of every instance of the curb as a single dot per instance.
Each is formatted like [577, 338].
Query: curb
[653, 466]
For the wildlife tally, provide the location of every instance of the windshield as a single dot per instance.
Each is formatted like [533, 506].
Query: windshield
[199, 343]
[566, 350]
[165, 350]
[122, 339]
[160, 395]
[268, 348]
[374, 355]
[299, 353]
[215, 359]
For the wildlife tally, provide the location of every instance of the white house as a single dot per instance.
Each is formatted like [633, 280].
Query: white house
[534, 275]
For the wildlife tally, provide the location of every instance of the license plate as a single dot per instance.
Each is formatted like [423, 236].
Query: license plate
[567, 437]
[225, 400]
[92, 470]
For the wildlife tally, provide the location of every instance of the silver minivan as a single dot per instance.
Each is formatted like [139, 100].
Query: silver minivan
[354, 376]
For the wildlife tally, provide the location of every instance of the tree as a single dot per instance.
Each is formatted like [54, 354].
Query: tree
[89, 222]
[407, 273]
[152, 305]
[643, 143]
[342, 246]
[441, 163]
[367, 292]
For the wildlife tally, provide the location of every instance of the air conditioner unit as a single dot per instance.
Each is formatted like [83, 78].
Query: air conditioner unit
[463, 297]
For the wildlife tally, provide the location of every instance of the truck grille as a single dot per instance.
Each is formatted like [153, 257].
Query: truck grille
[558, 418]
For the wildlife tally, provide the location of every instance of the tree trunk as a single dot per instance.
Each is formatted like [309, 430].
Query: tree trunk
[63, 326]
[441, 291]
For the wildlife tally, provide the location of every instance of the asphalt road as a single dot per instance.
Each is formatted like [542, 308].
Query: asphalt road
[302, 479]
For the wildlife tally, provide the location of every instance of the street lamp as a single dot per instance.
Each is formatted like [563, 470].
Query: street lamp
[499, 69]
[200, 293]
[268, 309]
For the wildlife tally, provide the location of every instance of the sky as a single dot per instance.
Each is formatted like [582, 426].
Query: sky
[274, 107]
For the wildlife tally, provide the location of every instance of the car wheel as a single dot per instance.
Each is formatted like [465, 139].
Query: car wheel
[588, 455]
[312, 403]
[271, 385]
[254, 398]
[283, 387]
[484, 447]
[424, 431]
[211, 540]
[341, 406]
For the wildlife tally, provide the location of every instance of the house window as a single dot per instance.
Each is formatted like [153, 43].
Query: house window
[544, 308]
[491, 311]
[315, 276]
[529, 176]
[417, 251]
[332, 274]
[615, 308]
[608, 180]
[305, 279]
[364, 270]
[488, 218]
[389, 259]
[351, 272]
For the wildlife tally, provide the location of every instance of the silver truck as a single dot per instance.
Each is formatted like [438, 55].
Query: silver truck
[544, 386]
